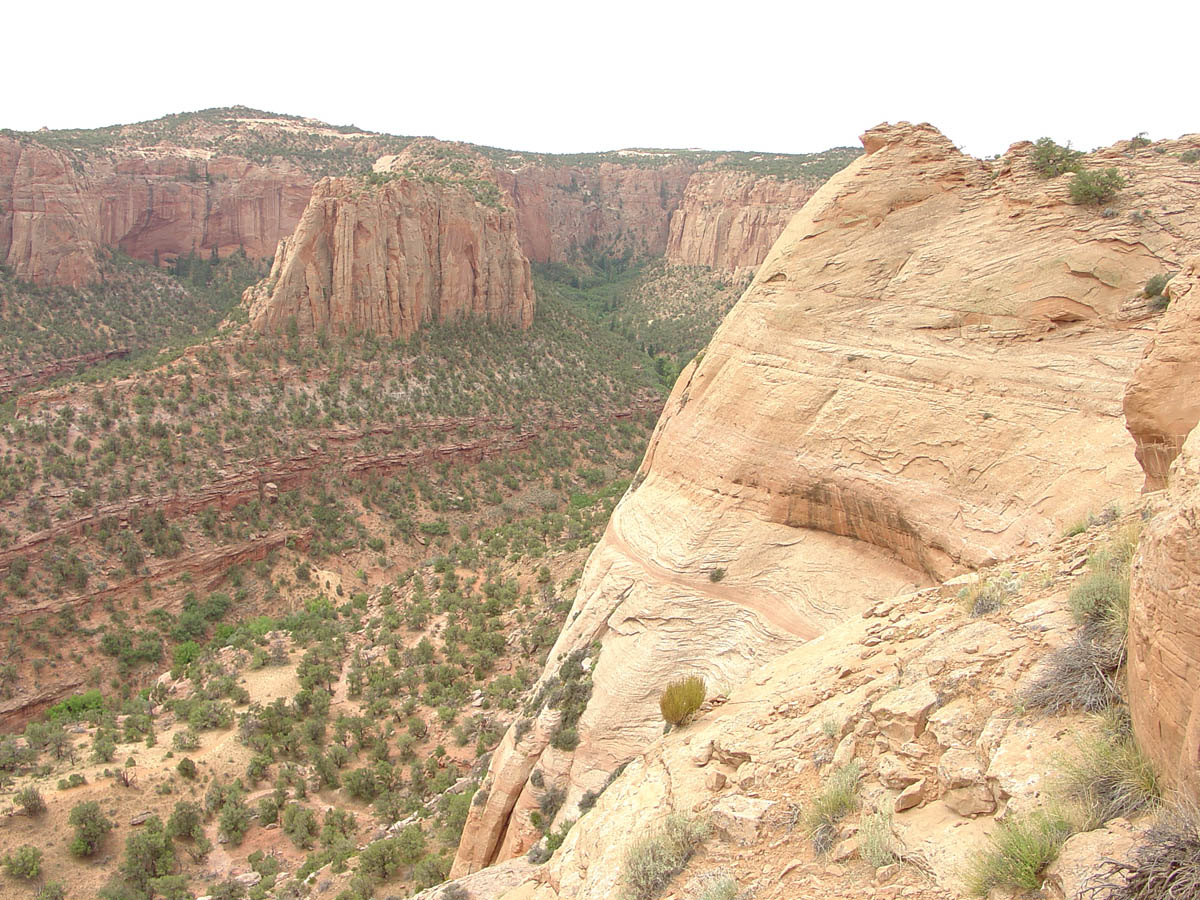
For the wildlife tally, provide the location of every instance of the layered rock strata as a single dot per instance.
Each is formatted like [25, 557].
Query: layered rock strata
[926, 376]
[387, 259]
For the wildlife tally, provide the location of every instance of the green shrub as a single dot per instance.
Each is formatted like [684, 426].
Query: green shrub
[1139, 140]
[837, 799]
[1094, 187]
[716, 574]
[654, 859]
[1190, 156]
[1051, 159]
[1019, 851]
[986, 595]
[682, 698]
[1101, 598]
[52, 890]
[30, 800]
[91, 825]
[24, 862]
[186, 768]
[1156, 285]
[875, 839]
[1108, 776]
[723, 888]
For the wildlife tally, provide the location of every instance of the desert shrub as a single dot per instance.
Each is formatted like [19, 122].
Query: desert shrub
[91, 825]
[186, 740]
[1080, 675]
[837, 798]
[722, 888]
[234, 820]
[1156, 285]
[454, 891]
[655, 858]
[52, 890]
[1091, 186]
[1139, 140]
[716, 575]
[875, 839]
[24, 862]
[1108, 776]
[1018, 852]
[682, 698]
[1101, 598]
[1165, 866]
[1190, 156]
[186, 768]
[300, 824]
[1051, 159]
[565, 739]
[185, 821]
[986, 595]
[30, 800]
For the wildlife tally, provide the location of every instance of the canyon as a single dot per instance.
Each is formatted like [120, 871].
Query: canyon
[168, 188]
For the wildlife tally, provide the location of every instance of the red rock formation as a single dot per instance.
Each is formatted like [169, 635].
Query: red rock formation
[390, 258]
[609, 207]
[49, 231]
[729, 219]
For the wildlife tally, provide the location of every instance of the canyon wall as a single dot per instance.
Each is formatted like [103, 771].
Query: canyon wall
[57, 210]
[925, 376]
[729, 219]
[387, 258]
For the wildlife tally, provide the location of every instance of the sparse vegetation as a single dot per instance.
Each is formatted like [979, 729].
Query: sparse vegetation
[1051, 159]
[721, 888]
[658, 856]
[837, 798]
[1108, 776]
[989, 593]
[1019, 851]
[681, 698]
[1096, 186]
[1165, 865]
[875, 839]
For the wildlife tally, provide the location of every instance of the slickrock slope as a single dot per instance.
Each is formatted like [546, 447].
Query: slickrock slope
[386, 259]
[925, 376]
[729, 220]
[914, 689]
[1162, 405]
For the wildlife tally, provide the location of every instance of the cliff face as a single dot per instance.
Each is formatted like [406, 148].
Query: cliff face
[389, 258]
[49, 227]
[1162, 410]
[609, 208]
[925, 376]
[730, 219]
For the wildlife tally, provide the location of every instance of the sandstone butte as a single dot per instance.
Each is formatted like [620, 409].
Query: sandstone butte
[58, 209]
[925, 377]
[386, 259]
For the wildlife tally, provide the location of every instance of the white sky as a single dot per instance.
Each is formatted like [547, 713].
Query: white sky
[563, 77]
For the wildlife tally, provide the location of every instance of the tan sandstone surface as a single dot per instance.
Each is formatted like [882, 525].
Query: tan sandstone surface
[925, 377]
[386, 259]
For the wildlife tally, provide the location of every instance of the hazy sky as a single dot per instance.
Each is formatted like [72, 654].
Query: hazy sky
[567, 76]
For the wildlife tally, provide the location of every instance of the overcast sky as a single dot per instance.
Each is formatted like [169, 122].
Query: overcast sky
[568, 77]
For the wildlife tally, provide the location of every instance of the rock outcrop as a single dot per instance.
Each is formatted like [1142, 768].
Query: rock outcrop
[385, 259]
[1162, 405]
[925, 377]
[729, 219]
[1164, 620]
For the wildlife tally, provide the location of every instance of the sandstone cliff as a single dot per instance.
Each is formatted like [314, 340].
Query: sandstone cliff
[388, 258]
[730, 219]
[925, 376]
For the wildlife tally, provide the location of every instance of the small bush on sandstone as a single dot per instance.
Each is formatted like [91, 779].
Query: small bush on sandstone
[1051, 159]
[875, 839]
[723, 888]
[1020, 849]
[1080, 675]
[716, 574]
[837, 799]
[1190, 156]
[30, 801]
[654, 859]
[682, 698]
[1165, 866]
[1094, 187]
[1107, 777]
[1156, 285]
[987, 595]
[1101, 598]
